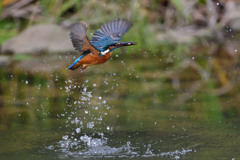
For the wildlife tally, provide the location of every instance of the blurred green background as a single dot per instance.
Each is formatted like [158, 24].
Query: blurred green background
[185, 40]
[182, 79]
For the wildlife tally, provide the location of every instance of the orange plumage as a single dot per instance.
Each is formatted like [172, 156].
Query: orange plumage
[93, 59]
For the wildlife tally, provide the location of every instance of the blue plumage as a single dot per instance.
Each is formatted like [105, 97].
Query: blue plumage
[110, 33]
[77, 60]
[104, 43]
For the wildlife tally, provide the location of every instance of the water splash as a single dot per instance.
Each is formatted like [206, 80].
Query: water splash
[88, 147]
[79, 144]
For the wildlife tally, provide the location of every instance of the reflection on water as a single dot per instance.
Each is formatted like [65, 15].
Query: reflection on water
[112, 113]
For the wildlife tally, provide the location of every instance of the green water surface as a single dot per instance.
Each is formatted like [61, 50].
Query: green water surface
[123, 109]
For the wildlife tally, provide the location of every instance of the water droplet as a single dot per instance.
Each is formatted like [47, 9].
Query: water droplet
[65, 137]
[90, 124]
[39, 86]
[67, 89]
[78, 130]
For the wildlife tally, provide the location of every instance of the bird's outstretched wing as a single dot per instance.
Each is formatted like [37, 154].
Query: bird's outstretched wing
[79, 38]
[110, 33]
[81, 43]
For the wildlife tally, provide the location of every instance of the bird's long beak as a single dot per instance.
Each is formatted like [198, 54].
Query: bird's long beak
[121, 44]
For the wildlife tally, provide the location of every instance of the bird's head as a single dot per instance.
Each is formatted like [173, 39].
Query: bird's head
[114, 46]
[121, 44]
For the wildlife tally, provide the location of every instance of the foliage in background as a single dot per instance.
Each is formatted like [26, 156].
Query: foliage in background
[147, 16]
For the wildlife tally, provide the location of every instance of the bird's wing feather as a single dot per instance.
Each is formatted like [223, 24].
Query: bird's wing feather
[109, 33]
[77, 34]
[79, 38]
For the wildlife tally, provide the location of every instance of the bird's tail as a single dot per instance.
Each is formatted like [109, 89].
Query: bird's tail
[76, 64]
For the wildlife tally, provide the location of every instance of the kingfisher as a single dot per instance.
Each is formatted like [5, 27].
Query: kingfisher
[104, 41]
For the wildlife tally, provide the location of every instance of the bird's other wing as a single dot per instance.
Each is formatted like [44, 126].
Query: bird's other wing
[109, 33]
[79, 38]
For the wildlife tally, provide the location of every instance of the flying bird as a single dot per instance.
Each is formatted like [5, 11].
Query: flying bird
[104, 41]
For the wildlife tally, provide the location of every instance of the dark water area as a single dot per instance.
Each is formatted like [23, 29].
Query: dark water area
[119, 110]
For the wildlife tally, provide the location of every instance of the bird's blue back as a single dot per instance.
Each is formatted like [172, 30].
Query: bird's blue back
[104, 43]
[110, 33]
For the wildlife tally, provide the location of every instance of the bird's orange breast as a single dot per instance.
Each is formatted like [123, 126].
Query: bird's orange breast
[92, 59]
